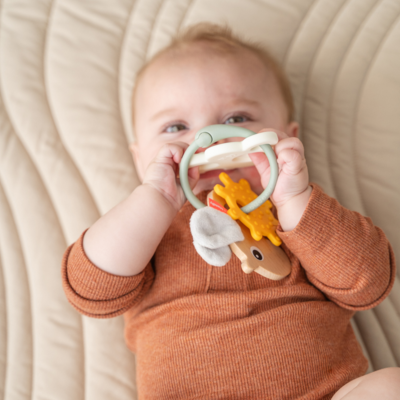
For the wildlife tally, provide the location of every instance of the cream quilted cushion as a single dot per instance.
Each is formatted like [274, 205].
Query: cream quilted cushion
[67, 68]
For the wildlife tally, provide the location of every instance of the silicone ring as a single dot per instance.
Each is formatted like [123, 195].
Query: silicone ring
[213, 133]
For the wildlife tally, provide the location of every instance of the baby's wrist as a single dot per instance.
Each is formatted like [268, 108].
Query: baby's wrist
[290, 213]
[160, 201]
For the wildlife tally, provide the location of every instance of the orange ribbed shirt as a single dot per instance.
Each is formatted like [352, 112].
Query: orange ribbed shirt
[203, 332]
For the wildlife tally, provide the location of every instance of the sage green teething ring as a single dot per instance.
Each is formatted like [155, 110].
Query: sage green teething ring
[213, 133]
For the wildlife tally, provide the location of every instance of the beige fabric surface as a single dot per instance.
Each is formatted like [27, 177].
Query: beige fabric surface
[67, 68]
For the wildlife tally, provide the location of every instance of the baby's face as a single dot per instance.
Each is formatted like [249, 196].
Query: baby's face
[180, 93]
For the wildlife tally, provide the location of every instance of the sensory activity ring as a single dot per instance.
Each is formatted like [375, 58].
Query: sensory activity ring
[228, 155]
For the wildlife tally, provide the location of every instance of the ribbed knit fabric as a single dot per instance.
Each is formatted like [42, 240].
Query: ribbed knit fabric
[203, 332]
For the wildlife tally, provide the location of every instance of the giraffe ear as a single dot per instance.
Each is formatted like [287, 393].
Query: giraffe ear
[213, 232]
[215, 257]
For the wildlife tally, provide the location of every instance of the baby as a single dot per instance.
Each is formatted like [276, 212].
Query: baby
[204, 332]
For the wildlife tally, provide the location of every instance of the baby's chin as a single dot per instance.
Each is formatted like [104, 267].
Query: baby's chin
[209, 179]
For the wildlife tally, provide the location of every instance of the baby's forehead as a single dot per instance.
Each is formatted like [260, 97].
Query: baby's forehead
[196, 55]
[220, 52]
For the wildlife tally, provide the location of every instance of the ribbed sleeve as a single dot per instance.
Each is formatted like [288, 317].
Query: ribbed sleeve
[97, 293]
[343, 253]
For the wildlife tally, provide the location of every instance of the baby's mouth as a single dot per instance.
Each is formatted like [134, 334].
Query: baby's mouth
[214, 173]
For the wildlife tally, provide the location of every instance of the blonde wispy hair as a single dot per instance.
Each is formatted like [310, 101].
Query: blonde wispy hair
[222, 39]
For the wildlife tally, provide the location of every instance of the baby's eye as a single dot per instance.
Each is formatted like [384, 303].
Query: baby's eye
[236, 119]
[175, 128]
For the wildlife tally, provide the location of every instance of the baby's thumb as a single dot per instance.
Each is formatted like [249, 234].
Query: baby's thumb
[261, 162]
[194, 176]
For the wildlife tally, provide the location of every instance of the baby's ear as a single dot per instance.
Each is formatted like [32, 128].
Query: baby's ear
[213, 232]
[292, 129]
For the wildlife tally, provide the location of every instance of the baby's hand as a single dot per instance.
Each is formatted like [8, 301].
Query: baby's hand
[292, 189]
[162, 173]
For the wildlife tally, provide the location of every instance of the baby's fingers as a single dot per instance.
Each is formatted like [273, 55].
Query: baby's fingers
[292, 143]
[194, 176]
[174, 152]
[261, 162]
[290, 161]
[171, 153]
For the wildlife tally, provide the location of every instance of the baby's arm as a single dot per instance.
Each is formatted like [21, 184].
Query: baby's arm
[343, 253]
[124, 240]
[107, 270]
